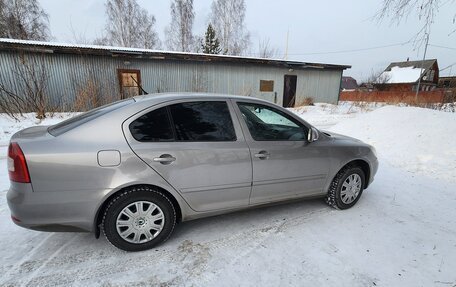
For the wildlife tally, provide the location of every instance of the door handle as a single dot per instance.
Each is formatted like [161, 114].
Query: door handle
[165, 159]
[262, 155]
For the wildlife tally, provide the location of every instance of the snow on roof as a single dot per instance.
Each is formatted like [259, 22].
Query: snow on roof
[400, 75]
[162, 53]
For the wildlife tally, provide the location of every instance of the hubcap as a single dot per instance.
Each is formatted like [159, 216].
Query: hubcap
[351, 188]
[140, 222]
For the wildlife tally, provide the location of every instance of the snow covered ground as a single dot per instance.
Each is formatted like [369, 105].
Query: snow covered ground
[402, 232]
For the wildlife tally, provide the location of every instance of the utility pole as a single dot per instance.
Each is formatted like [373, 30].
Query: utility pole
[421, 70]
[286, 46]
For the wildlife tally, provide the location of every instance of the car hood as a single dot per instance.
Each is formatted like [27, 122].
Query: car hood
[336, 136]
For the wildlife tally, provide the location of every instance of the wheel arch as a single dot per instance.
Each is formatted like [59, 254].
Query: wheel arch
[361, 163]
[99, 214]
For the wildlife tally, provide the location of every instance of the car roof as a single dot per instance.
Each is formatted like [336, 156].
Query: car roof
[164, 97]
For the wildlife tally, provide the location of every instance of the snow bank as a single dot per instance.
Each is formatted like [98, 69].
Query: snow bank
[324, 115]
[418, 140]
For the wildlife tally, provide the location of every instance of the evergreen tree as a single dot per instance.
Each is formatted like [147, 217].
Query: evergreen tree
[211, 43]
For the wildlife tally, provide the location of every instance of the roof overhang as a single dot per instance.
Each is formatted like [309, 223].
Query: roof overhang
[76, 49]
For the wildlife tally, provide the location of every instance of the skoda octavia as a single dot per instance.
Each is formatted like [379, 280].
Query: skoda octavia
[135, 168]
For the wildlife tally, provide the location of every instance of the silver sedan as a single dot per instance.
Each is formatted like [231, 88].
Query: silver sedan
[135, 168]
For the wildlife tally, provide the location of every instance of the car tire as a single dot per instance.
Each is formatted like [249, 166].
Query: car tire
[138, 219]
[346, 187]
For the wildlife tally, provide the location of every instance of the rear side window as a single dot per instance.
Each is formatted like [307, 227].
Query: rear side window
[202, 121]
[191, 121]
[154, 126]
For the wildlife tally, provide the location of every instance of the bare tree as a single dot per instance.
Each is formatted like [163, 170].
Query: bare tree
[23, 19]
[377, 77]
[23, 87]
[179, 33]
[129, 25]
[198, 42]
[227, 17]
[79, 37]
[2, 19]
[425, 10]
[265, 50]
[89, 88]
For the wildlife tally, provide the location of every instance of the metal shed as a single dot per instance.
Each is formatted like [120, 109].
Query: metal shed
[73, 71]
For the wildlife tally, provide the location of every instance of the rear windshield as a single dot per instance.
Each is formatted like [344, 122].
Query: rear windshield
[78, 120]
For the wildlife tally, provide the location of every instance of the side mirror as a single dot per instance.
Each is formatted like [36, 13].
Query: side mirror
[312, 135]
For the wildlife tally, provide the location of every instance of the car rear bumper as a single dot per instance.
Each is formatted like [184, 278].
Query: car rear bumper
[52, 211]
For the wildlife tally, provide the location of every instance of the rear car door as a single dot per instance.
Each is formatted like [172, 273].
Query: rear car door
[198, 148]
[284, 164]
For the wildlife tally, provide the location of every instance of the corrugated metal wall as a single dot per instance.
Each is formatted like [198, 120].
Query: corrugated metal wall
[70, 75]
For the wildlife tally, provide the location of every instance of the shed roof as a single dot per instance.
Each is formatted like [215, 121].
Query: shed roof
[426, 64]
[66, 48]
[405, 72]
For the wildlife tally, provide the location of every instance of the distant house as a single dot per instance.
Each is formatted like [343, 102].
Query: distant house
[404, 76]
[447, 82]
[348, 84]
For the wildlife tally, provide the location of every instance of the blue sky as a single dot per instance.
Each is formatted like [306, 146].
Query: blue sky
[314, 27]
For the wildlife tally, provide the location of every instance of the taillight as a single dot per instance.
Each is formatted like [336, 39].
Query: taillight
[17, 166]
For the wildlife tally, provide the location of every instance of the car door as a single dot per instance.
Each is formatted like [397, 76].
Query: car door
[284, 164]
[198, 148]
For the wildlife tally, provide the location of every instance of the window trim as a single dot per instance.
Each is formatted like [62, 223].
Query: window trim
[282, 113]
[167, 106]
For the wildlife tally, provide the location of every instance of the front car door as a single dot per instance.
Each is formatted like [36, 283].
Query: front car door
[198, 148]
[284, 164]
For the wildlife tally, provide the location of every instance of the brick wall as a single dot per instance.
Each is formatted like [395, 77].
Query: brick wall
[436, 96]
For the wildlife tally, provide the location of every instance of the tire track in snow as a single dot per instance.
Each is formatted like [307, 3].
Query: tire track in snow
[188, 261]
[57, 252]
[25, 258]
[261, 235]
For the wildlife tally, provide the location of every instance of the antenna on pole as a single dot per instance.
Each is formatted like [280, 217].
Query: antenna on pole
[286, 45]
[421, 70]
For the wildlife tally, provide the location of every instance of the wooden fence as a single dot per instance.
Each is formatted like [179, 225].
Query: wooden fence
[436, 96]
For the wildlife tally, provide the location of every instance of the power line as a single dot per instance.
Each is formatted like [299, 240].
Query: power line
[347, 51]
[444, 47]
[447, 67]
[361, 49]
[354, 50]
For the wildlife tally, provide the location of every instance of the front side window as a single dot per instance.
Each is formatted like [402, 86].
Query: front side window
[202, 121]
[269, 124]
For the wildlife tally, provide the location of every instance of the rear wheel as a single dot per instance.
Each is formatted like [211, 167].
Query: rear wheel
[346, 188]
[138, 219]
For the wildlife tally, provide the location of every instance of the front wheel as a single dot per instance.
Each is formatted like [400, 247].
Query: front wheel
[138, 219]
[346, 188]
